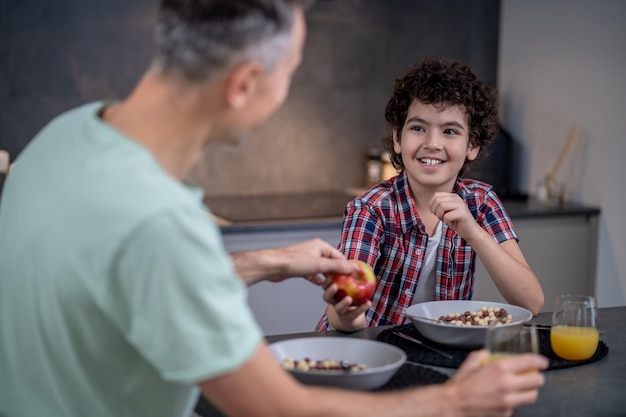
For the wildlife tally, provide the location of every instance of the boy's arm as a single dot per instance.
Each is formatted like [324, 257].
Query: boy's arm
[504, 261]
[354, 241]
[510, 272]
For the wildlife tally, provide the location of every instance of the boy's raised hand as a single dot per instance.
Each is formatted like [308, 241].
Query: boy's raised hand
[453, 211]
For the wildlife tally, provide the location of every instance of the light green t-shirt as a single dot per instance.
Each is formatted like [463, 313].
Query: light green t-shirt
[116, 293]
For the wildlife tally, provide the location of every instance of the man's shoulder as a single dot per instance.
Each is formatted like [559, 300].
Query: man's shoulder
[71, 117]
[57, 139]
[85, 166]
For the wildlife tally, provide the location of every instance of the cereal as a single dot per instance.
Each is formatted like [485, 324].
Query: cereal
[486, 316]
[307, 364]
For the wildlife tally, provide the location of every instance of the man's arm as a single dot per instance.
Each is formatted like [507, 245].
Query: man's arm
[260, 387]
[310, 260]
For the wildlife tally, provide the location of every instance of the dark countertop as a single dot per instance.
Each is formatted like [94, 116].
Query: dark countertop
[532, 208]
[323, 210]
[591, 390]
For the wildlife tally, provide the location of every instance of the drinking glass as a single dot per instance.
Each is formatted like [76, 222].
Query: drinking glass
[510, 340]
[574, 334]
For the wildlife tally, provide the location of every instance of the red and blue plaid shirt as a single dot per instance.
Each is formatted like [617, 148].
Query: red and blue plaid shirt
[382, 227]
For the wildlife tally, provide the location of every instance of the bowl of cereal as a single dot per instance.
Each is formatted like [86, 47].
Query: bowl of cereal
[463, 323]
[358, 364]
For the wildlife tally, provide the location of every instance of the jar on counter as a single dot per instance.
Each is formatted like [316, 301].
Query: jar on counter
[388, 170]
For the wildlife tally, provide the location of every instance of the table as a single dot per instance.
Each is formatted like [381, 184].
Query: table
[593, 390]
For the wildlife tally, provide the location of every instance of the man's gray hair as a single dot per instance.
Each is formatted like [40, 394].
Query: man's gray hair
[196, 39]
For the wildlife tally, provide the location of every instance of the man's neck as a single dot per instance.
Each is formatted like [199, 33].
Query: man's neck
[170, 122]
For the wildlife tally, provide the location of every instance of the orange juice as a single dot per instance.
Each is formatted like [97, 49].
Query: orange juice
[574, 343]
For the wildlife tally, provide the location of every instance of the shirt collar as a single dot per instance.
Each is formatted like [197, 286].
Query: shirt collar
[409, 218]
[407, 211]
[460, 188]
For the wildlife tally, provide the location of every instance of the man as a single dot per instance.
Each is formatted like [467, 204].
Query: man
[117, 297]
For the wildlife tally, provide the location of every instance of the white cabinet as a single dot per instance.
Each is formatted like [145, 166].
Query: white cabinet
[294, 305]
[561, 250]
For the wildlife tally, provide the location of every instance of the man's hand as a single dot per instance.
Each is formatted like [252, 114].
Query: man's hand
[498, 388]
[312, 260]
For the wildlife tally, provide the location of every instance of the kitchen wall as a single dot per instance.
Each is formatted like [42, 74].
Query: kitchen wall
[562, 62]
[55, 55]
[355, 49]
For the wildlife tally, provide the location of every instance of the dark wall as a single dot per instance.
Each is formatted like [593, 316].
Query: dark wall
[55, 55]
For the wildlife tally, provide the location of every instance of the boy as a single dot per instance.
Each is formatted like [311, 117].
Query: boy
[421, 230]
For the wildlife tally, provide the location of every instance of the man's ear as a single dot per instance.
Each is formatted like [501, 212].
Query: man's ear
[241, 83]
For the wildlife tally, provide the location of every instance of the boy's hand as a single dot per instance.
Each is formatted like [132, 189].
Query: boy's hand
[342, 314]
[452, 210]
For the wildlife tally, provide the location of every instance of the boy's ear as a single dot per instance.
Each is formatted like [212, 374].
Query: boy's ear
[472, 152]
[241, 83]
[396, 142]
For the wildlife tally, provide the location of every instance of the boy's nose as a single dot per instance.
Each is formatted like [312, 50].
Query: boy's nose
[433, 141]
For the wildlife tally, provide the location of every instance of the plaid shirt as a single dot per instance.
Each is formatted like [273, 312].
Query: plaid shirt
[382, 228]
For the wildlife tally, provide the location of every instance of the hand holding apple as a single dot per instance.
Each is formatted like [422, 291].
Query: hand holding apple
[359, 285]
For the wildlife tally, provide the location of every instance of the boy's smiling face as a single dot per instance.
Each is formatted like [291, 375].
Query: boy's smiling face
[434, 144]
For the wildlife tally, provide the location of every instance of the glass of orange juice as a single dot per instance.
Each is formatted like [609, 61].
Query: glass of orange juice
[509, 340]
[574, 334]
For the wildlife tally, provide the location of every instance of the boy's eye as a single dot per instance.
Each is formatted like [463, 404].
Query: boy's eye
[417, 127]
[450, 132]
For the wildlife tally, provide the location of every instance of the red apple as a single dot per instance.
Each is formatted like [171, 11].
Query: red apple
[359, 285]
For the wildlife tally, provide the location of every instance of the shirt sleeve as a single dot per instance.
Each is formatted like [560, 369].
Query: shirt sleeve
[361, 233]
[495, 220]
[179, 301]
[360, 237]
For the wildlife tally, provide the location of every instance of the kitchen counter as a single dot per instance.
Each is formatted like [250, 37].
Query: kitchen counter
[531, 208]
[274, 210]
[325, 210]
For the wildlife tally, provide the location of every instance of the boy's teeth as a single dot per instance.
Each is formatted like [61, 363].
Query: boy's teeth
[430, 161]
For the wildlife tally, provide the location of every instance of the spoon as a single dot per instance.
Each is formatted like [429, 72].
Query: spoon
[419, 342]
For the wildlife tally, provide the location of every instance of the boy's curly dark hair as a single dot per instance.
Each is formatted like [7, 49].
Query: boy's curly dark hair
[441, 82]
